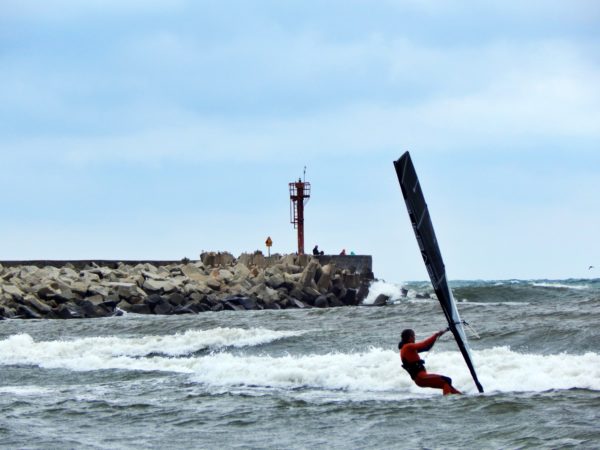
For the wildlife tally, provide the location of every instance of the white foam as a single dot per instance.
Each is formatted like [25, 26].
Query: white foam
[367, 374]
[494, 303]
[552, 285]
[21, 348]
[392, 290]
[25, 391]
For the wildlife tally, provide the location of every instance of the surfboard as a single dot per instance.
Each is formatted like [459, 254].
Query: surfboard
[430, 251]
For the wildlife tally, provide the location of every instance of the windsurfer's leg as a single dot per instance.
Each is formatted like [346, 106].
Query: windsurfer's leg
[435, 381]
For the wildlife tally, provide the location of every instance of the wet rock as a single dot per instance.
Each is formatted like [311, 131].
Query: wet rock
[321, 302]
[68, 311]
[362, 292]
[381, 300]
[299, 304]
[91, 310]
[183, 310]
[28, 313]
[350, 298]
[140, 309]
[163, 307]
[176, 299]
[245, 302]
[217, 307]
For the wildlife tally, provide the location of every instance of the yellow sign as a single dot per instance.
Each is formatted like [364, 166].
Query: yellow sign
[269, 242]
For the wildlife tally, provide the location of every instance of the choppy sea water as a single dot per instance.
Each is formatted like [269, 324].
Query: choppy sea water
[327, 378]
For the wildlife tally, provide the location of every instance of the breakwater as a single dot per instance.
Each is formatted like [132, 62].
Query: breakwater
[217, 281]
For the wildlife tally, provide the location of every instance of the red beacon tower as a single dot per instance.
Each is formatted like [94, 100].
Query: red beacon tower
[299, 195]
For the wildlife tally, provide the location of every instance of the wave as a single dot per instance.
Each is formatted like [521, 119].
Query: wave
[368, 374]
[555, 285]
[377, 288]
[396, 293]
[21, 348]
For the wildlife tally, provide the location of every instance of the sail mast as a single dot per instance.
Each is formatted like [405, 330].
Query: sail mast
[418, 213]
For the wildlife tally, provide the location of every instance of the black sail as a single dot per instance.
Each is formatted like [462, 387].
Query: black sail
[423, 228]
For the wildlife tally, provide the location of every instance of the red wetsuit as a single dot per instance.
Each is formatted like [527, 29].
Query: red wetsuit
[415, 366]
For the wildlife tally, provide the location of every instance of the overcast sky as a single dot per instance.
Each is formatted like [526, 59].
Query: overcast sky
[155, 129]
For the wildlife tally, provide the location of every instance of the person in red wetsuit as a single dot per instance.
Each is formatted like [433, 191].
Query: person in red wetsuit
[415, 366]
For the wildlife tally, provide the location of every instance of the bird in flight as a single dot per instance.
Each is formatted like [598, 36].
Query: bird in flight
[590, 268]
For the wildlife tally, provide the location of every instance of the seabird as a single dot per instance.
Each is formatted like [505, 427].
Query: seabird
[590, 268]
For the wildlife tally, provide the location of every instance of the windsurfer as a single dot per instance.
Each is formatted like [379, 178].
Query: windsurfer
[415, 366]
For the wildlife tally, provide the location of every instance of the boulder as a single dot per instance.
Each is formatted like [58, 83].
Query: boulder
[223, 275]
[140, 309]
[91, 310]
[13, 291]
[193, 272]
[240, 272]
[321, 302]
[232, 306]
[184, 310]
[351, 280]
[381, 300]
[27, 313]
[153, 300]
[176, 299]
[6, 312]
[80, 287]
[197, 307]
[213, 284]
[245, 302]
[275, 280]
[310, 294]
[96, 289]
[32, 302]
[325, 279]
[349, 298]
[299, 304]
[96, 299]
[333, 301]
[272, 305]
[69, 273]
[68, 311]
[155, 285]
[217, 307]
[309, 272]
[126, 289]
[362, 292]
[163, 307]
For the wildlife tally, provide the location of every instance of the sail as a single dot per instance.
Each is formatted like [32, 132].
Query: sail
[421, 222]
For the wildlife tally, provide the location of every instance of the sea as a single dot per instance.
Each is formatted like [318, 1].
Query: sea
[312, 378]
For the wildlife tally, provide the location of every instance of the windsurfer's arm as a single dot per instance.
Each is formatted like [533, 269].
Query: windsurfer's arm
[426, 345]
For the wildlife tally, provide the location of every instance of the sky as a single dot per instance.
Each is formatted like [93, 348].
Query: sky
[159, 129]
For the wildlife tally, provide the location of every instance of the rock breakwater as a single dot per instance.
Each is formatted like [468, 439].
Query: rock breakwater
[216, 282]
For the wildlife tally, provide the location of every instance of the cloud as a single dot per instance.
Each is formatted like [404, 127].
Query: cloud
[556, 96]
[67, 10]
